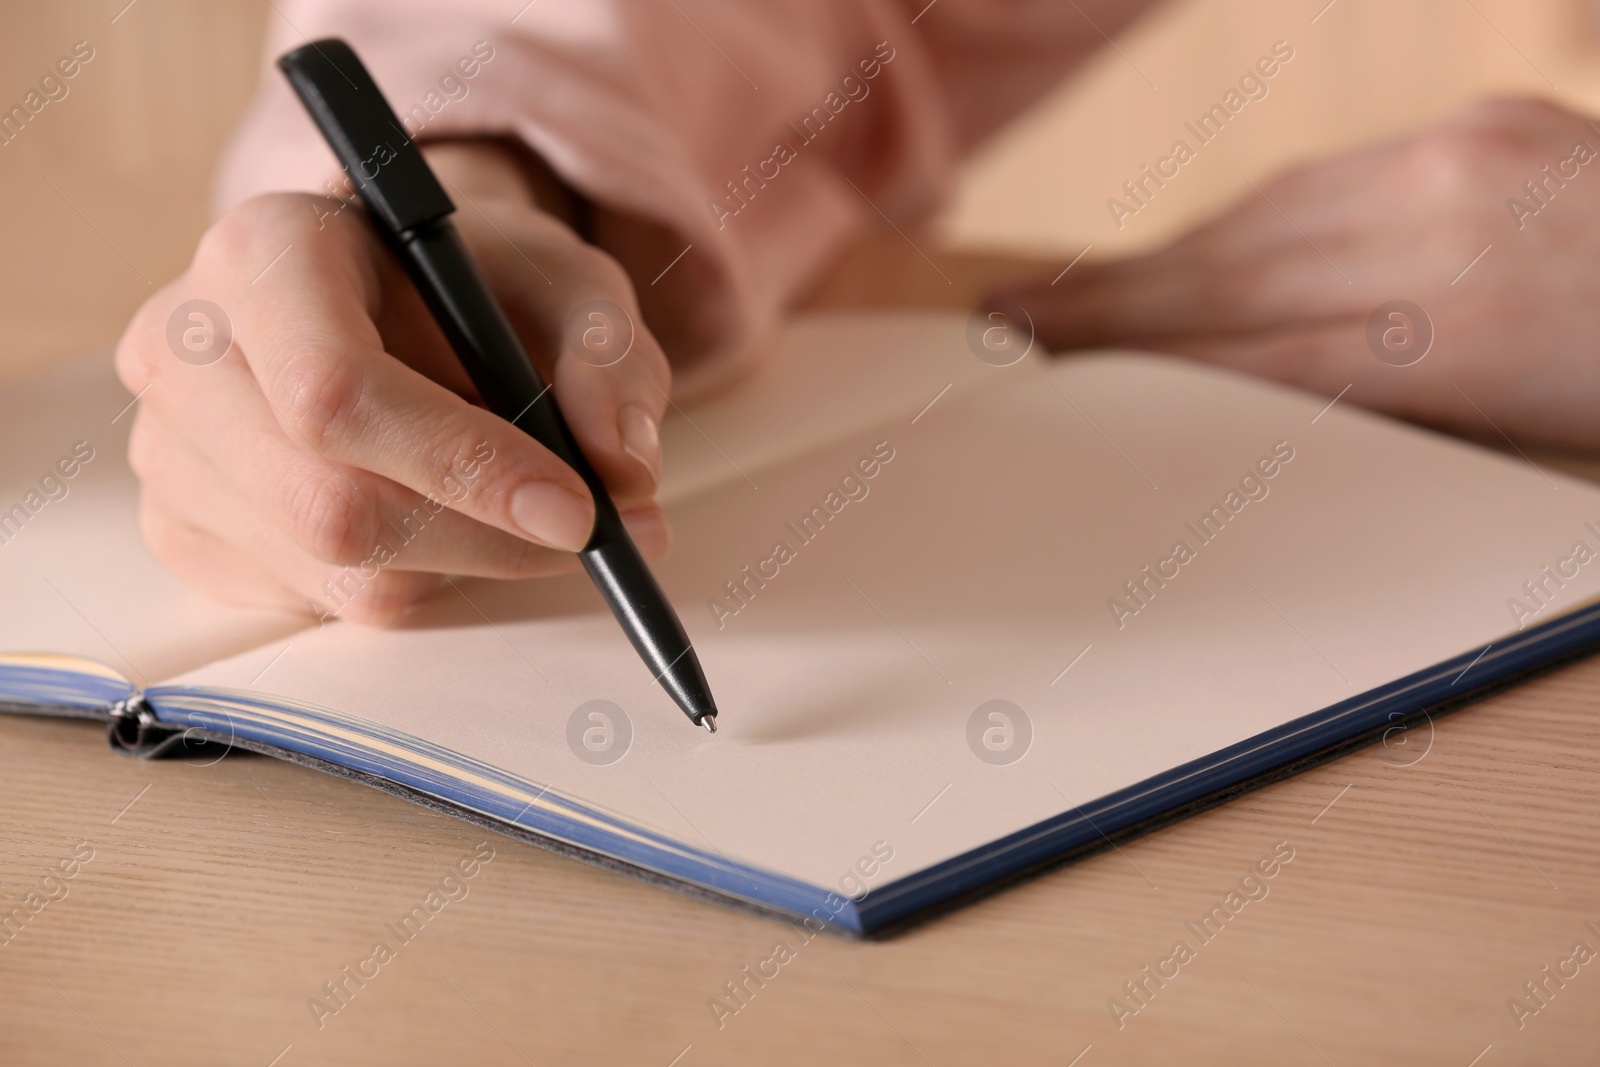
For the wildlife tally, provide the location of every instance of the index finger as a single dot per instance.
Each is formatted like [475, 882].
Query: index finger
[305, 326]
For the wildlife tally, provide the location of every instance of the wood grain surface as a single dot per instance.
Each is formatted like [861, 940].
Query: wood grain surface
[1432, 877]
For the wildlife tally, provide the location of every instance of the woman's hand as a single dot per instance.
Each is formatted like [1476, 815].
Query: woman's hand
[335, 459]
[1284, 283]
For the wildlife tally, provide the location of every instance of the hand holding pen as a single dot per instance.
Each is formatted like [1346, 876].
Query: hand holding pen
[281, 471]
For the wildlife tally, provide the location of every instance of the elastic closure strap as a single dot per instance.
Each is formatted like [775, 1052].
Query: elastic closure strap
[133, 730]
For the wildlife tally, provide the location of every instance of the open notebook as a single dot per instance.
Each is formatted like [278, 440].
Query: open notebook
[962, 620]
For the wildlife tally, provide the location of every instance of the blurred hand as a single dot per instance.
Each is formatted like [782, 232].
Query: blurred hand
[296, 471]
[1284, 282]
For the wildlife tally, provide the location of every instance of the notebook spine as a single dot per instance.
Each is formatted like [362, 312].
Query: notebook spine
[133, 730]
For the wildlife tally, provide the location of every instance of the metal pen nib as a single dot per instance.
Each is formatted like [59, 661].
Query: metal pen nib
[709, 722]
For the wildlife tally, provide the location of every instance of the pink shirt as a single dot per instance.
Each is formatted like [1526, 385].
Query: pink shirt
[763, 133]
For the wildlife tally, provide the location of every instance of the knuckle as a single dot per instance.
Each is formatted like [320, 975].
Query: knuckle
[463, 463]
[240, 237]
[603, 272]
[1491, 140]
[141, 448]
[133, 366]
[138, 354]
[330, 519]
[230, 239]
[385, 599]
[1453, 163]
[321, 395]
[590, 272]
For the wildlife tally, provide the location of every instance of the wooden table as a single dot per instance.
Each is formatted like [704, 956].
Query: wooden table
[1431, 878]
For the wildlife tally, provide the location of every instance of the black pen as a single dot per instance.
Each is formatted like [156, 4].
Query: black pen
[411, 212]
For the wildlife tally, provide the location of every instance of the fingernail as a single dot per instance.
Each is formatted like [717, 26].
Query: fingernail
[641, 439]
[552, 515]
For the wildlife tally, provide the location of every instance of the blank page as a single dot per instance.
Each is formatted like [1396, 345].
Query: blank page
[983, 564]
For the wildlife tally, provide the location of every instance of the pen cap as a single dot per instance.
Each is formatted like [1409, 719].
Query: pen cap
[382, 161]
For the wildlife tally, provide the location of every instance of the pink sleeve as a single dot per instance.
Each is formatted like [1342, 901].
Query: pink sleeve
[763, 135]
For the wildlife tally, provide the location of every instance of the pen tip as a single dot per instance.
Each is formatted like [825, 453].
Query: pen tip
[709, 722]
